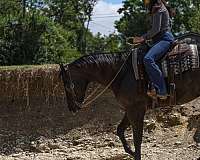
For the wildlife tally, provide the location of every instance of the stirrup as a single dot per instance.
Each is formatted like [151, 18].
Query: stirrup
[152, 93]
[162, 97]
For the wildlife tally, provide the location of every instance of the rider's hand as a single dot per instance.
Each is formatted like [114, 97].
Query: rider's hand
[137, 40]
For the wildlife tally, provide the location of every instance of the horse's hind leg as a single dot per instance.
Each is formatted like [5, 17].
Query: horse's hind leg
[120, 132]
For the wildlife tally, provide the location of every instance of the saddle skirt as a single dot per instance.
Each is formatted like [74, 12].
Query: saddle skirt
[182, 57]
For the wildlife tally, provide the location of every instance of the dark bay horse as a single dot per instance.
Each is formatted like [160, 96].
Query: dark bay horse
[102, 68]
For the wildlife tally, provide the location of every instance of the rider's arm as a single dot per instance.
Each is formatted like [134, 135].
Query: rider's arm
[156, 26]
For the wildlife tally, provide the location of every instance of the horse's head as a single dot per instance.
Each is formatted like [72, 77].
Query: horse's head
[75, 87]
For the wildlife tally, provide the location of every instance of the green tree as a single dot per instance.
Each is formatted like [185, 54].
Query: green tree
[96, 44]
[113, 43]
[134, 19]
[49, 31]
[195, 22]
[134, 22]
[9, 8]
[185, 9]
[99, 43]
[55, 46]
[72, 15]
[32, 38]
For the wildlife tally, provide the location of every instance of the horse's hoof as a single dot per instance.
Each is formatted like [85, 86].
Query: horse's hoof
[129, 151]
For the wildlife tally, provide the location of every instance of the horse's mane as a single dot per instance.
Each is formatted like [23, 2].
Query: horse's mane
[101, 59]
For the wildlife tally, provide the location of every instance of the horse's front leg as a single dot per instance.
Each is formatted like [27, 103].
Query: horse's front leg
[124, 124]
[136, 117]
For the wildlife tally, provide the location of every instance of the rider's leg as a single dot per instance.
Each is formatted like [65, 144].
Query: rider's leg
[153, 70]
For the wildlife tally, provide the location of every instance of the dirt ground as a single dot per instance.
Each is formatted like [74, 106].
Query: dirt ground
[170, 134]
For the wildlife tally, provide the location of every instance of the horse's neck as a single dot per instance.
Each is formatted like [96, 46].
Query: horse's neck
[94, 73]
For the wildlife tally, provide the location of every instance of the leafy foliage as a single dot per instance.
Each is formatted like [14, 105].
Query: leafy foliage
[55, 46]
[32, 40]
[36, 31]
[134, 22]
[185, 9]
[55, 31]
[99, 43]
[194, 22]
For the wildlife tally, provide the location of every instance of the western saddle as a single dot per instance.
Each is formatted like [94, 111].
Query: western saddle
[181, 57]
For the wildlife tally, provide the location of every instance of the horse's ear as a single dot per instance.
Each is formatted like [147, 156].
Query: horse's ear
[62, 74]
[61, 66]
[60, 71]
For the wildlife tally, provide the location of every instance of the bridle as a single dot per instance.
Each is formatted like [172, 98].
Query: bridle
[68, 84]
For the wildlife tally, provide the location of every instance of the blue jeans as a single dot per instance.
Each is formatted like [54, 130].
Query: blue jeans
[150, 59]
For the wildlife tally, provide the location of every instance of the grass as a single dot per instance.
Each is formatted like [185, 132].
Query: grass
[27, 67]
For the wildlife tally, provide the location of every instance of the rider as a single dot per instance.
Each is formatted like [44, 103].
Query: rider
[162, 37]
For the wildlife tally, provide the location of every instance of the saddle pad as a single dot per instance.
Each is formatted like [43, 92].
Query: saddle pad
[182, 58]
